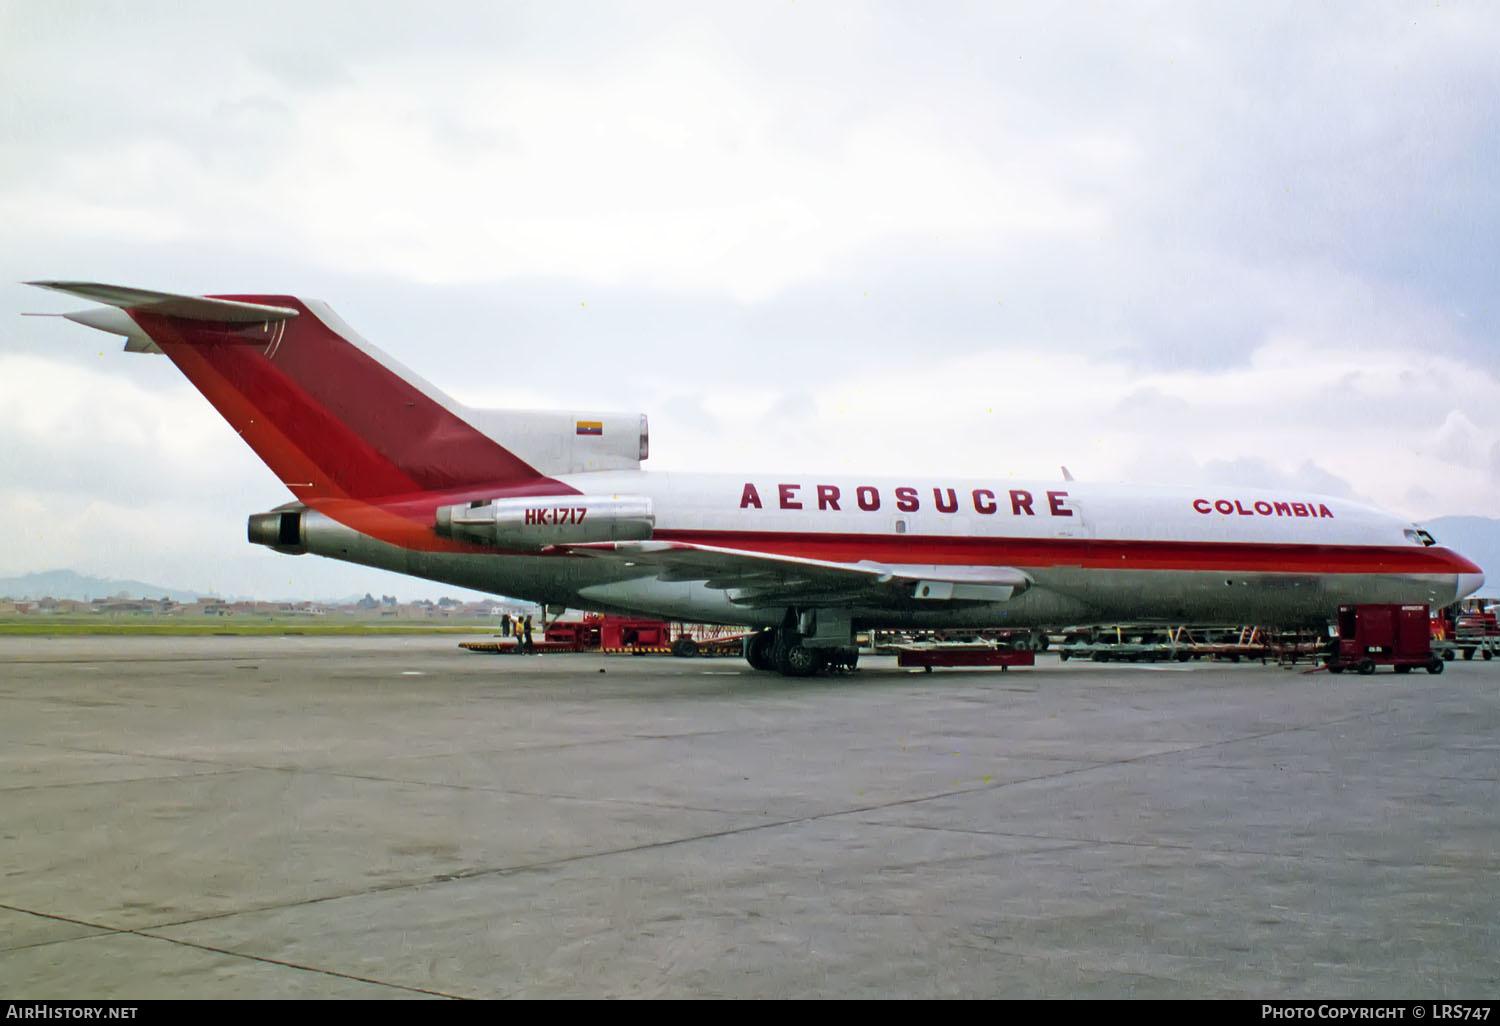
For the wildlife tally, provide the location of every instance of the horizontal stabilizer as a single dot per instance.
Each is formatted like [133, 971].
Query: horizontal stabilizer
[169, 304]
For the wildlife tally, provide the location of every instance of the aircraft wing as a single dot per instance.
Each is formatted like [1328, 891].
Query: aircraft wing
[753, 578]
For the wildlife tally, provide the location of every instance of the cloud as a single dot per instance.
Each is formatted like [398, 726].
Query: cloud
[81, 432]
[1282, 420]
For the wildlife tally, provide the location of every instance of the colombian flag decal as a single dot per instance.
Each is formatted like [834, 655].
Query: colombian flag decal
[591, 427]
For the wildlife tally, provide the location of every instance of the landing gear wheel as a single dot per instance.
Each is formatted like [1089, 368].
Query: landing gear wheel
[760, 650]
[1436, 666]
[795, 659]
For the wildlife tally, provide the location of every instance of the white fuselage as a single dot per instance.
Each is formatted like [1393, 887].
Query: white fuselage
[1095, 553]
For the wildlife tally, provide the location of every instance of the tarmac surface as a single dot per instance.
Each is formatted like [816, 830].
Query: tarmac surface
[387, 818]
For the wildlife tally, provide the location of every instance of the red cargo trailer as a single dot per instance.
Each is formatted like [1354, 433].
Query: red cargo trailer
[634, 634]
[1383, 635]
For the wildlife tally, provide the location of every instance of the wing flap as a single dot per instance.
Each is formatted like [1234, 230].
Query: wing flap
[761, 578]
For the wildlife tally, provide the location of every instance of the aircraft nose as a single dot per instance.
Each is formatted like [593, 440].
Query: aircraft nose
[1468, 584]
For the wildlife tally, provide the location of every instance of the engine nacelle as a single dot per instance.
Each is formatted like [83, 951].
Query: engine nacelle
[534, 522]
[280, 529]
[554, 442]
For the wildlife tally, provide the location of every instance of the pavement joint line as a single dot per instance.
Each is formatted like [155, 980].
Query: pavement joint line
[100, 931]
[119, 780]
[1070, 843]
[294, 965]
[147, 934]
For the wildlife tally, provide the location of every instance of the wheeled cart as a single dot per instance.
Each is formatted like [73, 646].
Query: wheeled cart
[1383, 635]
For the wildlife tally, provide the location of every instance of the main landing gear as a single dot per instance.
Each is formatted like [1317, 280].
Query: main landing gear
[781, 649]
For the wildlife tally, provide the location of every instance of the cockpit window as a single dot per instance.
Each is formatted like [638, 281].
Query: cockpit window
[1419, 537]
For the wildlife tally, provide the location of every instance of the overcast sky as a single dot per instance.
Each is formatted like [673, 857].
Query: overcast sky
[1194, 242]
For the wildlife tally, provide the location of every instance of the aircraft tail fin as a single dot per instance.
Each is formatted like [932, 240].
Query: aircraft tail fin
[331, 415]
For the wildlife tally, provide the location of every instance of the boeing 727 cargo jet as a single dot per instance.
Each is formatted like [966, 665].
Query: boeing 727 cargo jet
[553, 507]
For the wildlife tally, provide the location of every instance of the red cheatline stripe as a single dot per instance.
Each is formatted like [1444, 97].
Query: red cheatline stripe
[1095, 554]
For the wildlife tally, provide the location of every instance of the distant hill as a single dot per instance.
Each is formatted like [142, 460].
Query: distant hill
[1477, 538]
[65, 584]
